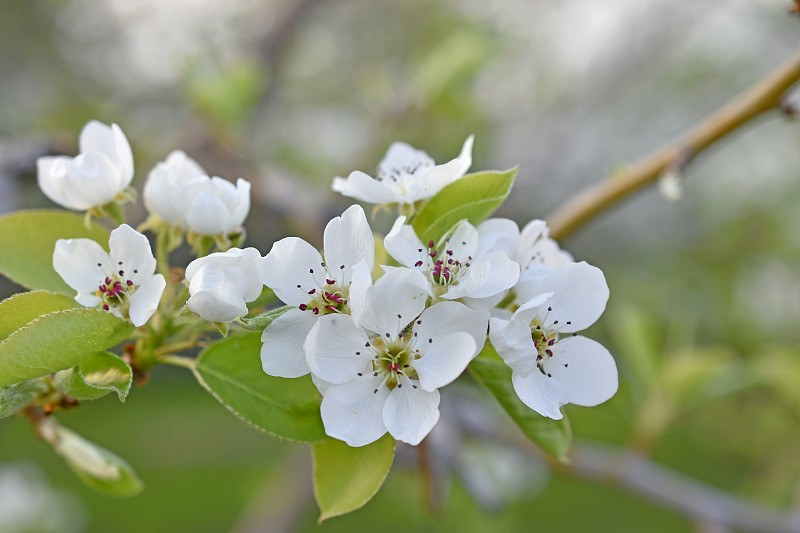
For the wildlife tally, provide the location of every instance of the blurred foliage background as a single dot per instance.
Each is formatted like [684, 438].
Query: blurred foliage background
[705, 293]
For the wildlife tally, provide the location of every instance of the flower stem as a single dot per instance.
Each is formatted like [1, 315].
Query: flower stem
[178, 360]
[764, 96]
[162, 252]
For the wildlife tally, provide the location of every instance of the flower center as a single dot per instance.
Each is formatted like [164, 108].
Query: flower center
[443, 269]
[393, 359]
[544, 339]
[396, 174]
[327, 300]
[115, 290]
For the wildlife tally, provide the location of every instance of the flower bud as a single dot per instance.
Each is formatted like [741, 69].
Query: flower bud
[179, 192]
[222, 283]
[102, 170]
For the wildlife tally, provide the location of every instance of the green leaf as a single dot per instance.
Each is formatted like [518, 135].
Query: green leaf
[95, 377]
[21, 308]
[553, 436]
[346, 478]
[58, 341]
[258, 323]
[285, 408]
[15, 397]
[474, 198]
[97, 467]
[28, 238]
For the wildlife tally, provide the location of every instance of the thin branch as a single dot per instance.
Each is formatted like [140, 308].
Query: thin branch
[675, 490]
[764, 96]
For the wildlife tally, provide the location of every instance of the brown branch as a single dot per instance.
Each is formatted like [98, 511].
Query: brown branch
[764, 96]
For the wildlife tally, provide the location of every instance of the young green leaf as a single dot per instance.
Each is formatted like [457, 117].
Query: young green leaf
[28, 239]
[97, 467]
[57, 341]
[553, 436]
[346, 478]
[285, 408]
[473, 198]
[21, 308]
[15, 397]
[95, 377]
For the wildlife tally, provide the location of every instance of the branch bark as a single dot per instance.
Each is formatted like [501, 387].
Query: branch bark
[764, 96]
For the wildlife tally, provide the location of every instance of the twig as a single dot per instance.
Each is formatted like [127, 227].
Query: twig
[762, 97]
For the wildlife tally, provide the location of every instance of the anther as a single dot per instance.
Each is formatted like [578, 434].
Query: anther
[129, 283]
[418, 264]
[303, 307]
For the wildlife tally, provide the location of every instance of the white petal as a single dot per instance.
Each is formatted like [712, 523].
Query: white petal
[400, 157]
[542, 394]
[321, 384]
[348, 239]
[362, 187]
[529, 309]
[503, 274]
[337, 350]
[97, 137]
[463, 242]
[282, 353]
[444, 318]
[579, 296]
[513, 342]
[403, 244]
[242, 209]
[132, 249]
[396, 299]
[207, 214]
[585, 370]
[92, 179]
[436, 178]
[444, 360]
[292, 262]
[498, 234]
[82, 263]
[124, 155]
[360, 283]
[469, 282]
[217, 306]
[353, 411]
[51, 172]
[247, 271]
[144, 301]
[410, 414]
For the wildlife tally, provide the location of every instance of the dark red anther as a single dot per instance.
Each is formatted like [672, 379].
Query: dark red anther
[102, 288]
[549, 352]
[105, 307]
[303, 307]
[108, 281]
[121, 273]
[433, 253]
[551, 342]
[449, 252]
[316, 310]
[330, 308]
[130, 283]
[418, 264]
[312, 291]
[330, 281]
[430, 244]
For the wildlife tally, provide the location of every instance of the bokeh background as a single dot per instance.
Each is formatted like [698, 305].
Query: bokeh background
[705, 294]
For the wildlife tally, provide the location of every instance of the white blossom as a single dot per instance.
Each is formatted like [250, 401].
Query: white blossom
[221, 284]
[551, 365]
[405, 175]
[456, 268]
[531, 246]
[101, 171]
[122, 281]
[383, 372]
[300, 277]
[180, 192]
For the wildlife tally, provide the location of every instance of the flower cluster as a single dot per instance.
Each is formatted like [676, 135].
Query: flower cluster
[378, 340]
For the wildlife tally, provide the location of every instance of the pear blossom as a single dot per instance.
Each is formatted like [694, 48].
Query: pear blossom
[96, 176]
[179, 192]
[222, 283]
[456, 268]
[121, 280]
[531, 246]
[300, 277]
[405, 175]
[382, 373]
[551, 364]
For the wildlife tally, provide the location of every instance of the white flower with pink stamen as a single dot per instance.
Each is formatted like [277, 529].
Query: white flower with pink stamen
[121, 281]
[551, 364]
[405, 175]
[531, 246]
[456, 268]
[382, 373]
[300, 277]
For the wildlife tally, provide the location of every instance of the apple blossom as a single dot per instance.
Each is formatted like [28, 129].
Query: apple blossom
[300, 277]
[456, 268]
[222, 283]
[122, 281]
[550, 369]
[179, 192]
[96, 176]
[383, 372]
[405, 175]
